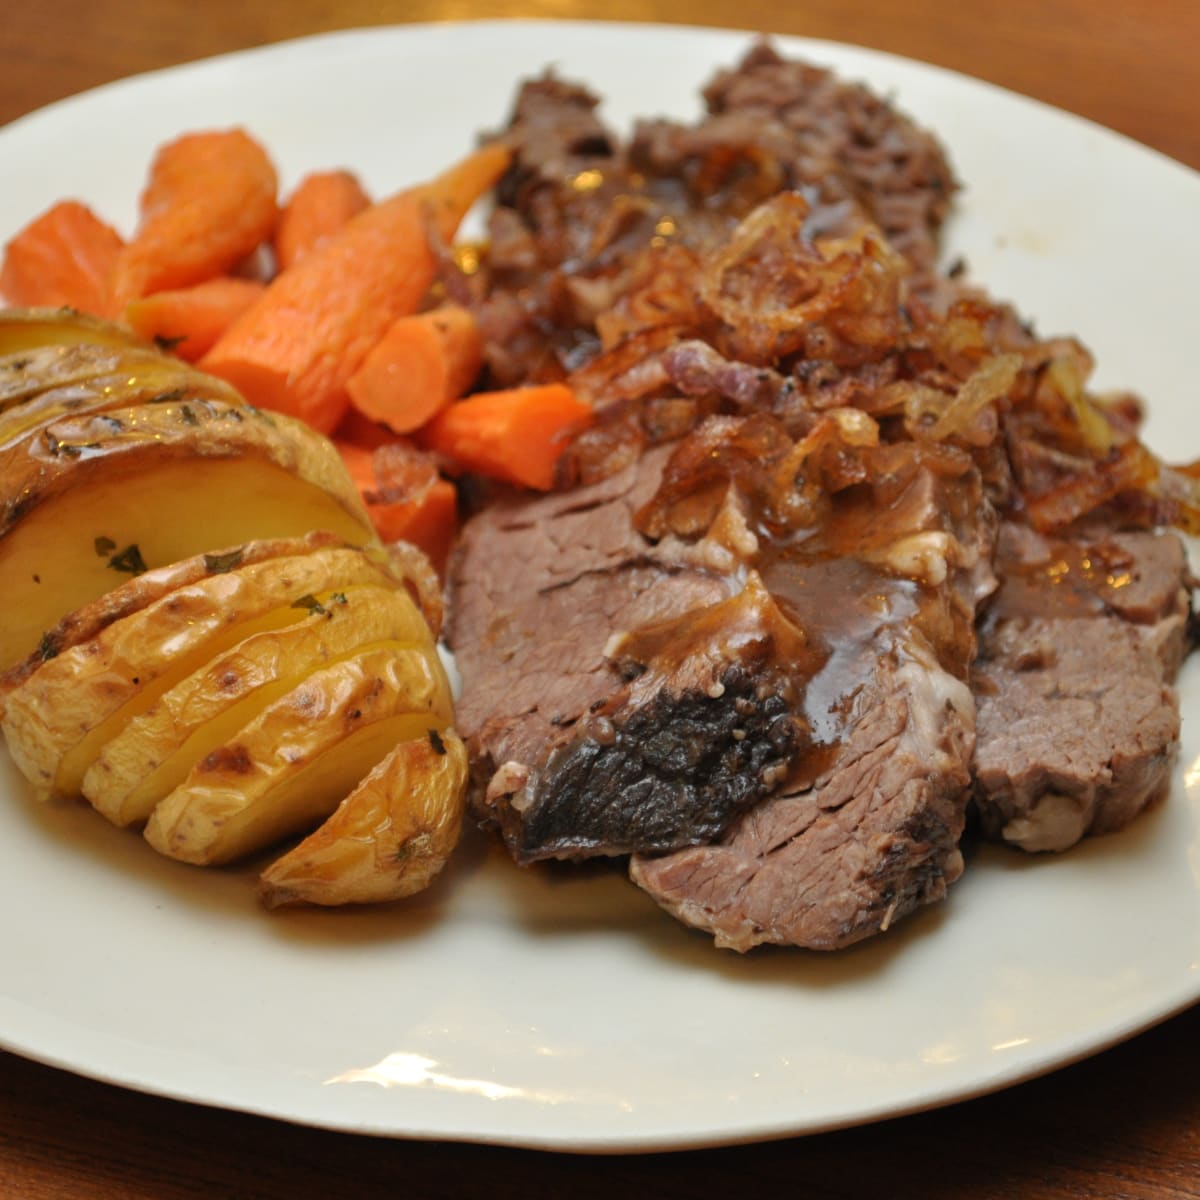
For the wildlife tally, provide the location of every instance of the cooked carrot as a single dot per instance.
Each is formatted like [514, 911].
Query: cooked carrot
[406, 499]
[516, 435]
[421, 363]
[65, 257]
[429, 521]
[395, 470]
[190, 320]
[402, 469]
[295, 349]
[322, 202]
[208, 203]
[359, 462]
[361, 431]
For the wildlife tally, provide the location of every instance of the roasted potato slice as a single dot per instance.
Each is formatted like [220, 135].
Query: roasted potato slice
[140, 591]
[154, 752]
[388, 838]
[294, 762]
[136, 377]
[86, 498]
[58, 719]
[28, 328]
[203, 627]
[25, 374]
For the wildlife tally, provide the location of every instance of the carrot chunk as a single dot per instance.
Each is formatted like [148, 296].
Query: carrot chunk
[361, 431]
[428, 521]
[360, 463]
[208, 204]
[406, 499]
[322, 202]
[294, 349]
[65, 257]
[421, 363]
[515, 435]
[191, 319]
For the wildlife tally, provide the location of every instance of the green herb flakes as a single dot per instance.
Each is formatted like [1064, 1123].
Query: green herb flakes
[129, 560]
[314, 607]
[219, 564]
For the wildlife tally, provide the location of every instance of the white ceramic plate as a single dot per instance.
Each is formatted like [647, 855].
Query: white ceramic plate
[561, 1008]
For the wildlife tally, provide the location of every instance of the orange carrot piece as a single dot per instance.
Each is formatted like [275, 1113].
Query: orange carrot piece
[322, 202]
[361, 431]
[402, 469]
[295, 349]
[65, 257]
[420, 364]
[515, 435]
[208, 203]
[405, 498]
[429, 522]
[359, 462]
[191, 319]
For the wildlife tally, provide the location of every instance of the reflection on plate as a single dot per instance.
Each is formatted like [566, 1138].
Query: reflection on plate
[560, 1008]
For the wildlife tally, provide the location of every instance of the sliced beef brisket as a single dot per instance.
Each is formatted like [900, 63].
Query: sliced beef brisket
[867, 831]
[571, 757]
[579, 206]
[820, 133]
[737, 646]
[1078, 722]
[827, 668]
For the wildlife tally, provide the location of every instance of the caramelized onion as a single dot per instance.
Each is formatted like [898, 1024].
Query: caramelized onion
[777, 337]
[783, 483]
[988, 383]
[772, 284]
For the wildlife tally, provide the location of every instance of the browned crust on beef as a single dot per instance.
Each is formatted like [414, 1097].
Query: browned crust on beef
[835, 864]
[876, 835]
[570, 757]
[844, 810]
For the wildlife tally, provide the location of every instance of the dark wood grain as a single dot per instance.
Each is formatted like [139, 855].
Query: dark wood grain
[1130, 66]
[1125, 1124]
[1122, 1126]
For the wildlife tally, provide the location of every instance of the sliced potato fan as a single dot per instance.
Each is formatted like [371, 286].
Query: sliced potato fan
[387, 839]
[87, 498]
[280, 773]
[204, 633]
[139, 591]
[27, 328]
[153, 753]
[136, 377]
[58, 720]
[28, 373]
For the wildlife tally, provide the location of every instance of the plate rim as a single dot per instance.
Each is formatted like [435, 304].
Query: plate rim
[1185, 996]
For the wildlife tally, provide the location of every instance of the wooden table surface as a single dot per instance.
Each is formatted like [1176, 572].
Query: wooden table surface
[1123, 1124]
